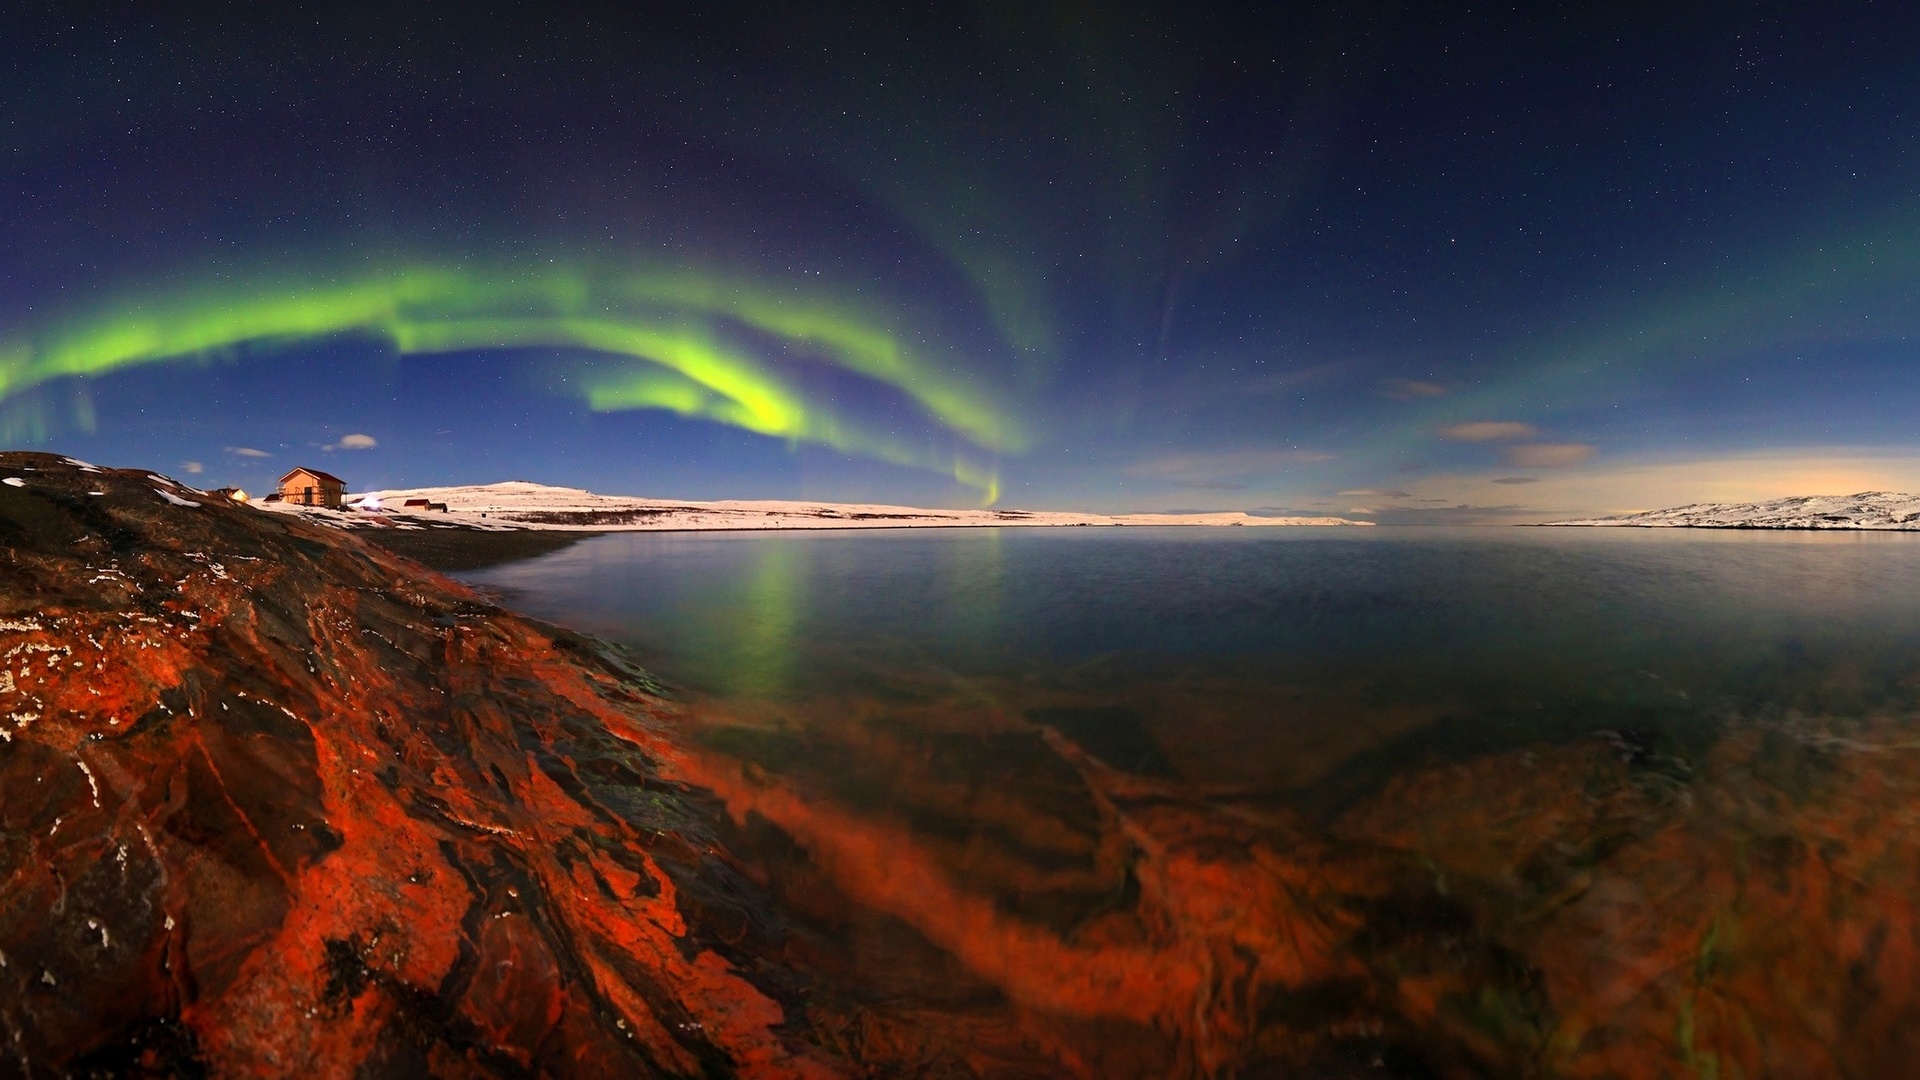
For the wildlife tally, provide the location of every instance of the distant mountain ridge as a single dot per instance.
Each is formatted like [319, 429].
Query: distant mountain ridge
[1887, 511]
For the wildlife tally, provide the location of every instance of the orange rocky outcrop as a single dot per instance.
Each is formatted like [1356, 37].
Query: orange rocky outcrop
[275, 802]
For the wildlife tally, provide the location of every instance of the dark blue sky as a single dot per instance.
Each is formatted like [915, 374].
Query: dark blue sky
[1412, 262]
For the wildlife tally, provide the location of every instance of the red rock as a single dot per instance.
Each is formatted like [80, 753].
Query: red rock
[273, 801]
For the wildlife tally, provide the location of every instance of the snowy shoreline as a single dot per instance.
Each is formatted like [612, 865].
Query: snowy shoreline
[1872, 511]
[519, 506]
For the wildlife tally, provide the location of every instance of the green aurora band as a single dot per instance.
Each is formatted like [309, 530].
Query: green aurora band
[1837, 286]
[665, 329]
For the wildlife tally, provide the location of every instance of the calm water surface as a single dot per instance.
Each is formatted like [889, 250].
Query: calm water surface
[1429, 801]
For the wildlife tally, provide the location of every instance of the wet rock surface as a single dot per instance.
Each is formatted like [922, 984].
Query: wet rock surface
[273, 802]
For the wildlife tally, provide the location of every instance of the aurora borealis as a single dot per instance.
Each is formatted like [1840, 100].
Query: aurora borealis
[1150, 257]
[660, 326]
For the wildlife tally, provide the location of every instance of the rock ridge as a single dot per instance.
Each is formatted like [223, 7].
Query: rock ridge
[275, 801]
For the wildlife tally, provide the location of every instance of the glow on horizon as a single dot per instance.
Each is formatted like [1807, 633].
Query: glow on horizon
[664, 327]
[1627, 487]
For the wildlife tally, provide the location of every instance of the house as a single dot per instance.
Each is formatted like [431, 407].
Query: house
[311, 487]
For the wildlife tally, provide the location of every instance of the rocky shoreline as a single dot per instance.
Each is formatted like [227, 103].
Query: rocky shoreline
[274, 801]
[454, 548]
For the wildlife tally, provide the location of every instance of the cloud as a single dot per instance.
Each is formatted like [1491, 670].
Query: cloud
[1488, 431]
[1409, 389]
[353, 442]
[1547, 455]
[1454, 512]
[1210, 485]
[247, 451]
[1216, 470]
[1378, 493]
[193, 468]
[1516, 480]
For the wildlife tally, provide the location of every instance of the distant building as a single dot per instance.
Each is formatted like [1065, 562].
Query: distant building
[232, 493]
[311, 487]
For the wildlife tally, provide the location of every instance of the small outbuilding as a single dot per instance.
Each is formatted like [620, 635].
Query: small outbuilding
[311, 487]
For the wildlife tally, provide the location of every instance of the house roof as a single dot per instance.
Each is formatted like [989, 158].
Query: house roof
[315, 473]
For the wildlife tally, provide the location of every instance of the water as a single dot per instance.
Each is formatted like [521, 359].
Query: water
[1451, 801]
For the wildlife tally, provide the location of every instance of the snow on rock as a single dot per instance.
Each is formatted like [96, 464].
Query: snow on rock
[1879, 510]
[517, 504]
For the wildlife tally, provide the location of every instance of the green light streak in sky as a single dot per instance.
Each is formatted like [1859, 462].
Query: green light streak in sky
[1836, 286]
[1850, 287]
[855, 342]
[670, 323]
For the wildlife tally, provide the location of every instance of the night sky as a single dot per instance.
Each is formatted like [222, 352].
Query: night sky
[1402, 262]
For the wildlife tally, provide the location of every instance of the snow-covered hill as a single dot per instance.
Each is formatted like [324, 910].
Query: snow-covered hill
[1884, 510]
[521, 505]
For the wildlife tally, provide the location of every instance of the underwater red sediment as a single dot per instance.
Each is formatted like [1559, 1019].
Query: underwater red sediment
[1596, 907]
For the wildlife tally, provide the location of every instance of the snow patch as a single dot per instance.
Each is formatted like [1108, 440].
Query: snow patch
[14, 481]
[174, 499]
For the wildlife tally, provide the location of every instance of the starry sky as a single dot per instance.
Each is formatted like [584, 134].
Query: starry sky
[1406, 263]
